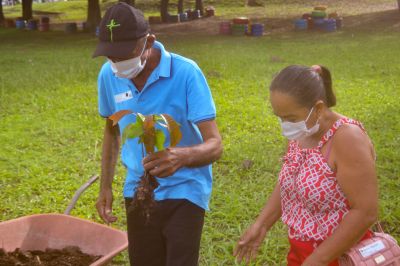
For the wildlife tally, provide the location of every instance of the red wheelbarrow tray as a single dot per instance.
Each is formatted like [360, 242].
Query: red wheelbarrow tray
[56, 231]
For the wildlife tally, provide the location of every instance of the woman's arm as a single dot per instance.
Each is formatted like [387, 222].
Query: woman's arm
[249, 243]
[355, 163]
[272, 210]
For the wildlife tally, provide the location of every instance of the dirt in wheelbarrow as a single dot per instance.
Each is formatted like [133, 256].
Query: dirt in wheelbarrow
[68, 256]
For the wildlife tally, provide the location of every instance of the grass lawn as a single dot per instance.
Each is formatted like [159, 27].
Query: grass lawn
[51, 133]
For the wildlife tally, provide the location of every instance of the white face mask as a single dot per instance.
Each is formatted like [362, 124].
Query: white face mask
[129, 68]
[298, 130]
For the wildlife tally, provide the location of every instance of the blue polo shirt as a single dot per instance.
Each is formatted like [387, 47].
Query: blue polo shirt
[176, 87]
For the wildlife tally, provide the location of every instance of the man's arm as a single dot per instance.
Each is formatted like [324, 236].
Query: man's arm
[111, 142]
[168, 161]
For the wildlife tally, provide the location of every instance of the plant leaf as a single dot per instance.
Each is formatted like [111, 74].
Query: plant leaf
[160, 139]
[162, 124]
[173, 128]
[133, 131]
[118, 115]
[159, 120]
[149, 137]
[142, 117]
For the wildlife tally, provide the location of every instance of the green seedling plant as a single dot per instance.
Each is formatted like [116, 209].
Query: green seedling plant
[152, 139]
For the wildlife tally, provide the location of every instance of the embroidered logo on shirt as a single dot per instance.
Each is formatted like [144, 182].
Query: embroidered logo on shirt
[121, 97]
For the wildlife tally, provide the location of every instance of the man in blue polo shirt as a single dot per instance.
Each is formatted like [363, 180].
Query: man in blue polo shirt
[140, 75]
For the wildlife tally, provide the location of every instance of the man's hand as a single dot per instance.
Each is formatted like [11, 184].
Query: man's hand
[104, 206]
[164, 163]
[167, 162]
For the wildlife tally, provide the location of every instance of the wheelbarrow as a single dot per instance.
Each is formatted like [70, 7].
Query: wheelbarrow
[57, 231]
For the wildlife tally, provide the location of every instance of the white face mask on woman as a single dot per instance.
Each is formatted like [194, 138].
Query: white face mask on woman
[298, 130]
[129, 68]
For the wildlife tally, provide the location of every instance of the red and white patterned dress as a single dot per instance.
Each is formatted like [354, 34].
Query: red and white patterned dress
[312, 202]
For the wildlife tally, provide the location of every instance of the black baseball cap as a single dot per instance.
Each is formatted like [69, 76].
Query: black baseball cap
[120, 28]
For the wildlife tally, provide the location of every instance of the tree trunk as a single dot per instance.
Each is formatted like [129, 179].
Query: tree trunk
[164, 10]
[199, 6]
[1, 13]
[26, 9]
[253, 3]
[129, 2]
[180, 6]
[93, 15]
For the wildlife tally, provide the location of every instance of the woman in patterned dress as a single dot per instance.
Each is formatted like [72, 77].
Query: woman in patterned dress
[327, 192]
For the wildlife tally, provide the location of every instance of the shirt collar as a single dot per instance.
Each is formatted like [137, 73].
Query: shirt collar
[165, 61]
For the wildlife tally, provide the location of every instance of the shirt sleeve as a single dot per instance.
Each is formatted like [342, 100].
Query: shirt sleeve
[105, 108]
[200, 103]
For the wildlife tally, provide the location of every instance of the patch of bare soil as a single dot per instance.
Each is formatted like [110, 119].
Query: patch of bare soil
[387, 20]
[378, 21]
[69, 256]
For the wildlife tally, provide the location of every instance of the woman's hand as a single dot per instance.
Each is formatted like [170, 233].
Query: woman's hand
[250, 242]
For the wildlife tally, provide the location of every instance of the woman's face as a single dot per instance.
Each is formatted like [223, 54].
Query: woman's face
[288, 109]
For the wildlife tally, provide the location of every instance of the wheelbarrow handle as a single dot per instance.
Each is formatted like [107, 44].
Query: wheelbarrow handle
[79, 192]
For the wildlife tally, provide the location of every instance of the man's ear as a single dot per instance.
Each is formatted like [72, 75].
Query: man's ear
[150, 41]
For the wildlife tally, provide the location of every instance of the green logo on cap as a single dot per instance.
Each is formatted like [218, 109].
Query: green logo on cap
[111, 26]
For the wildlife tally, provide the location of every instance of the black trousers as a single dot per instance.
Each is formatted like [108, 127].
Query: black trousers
[171, 236]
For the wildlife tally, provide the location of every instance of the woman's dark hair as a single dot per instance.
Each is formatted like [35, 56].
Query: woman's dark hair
[306, 84]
